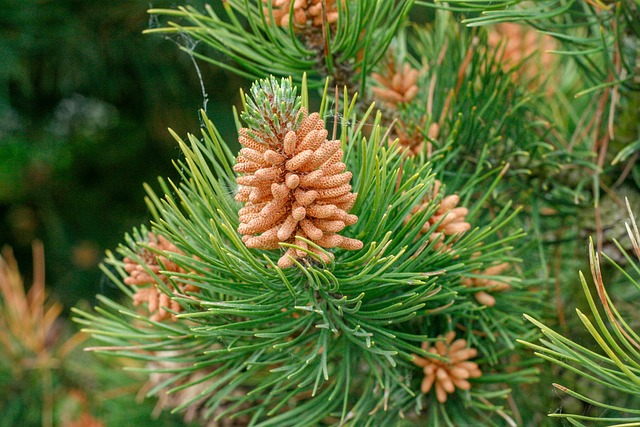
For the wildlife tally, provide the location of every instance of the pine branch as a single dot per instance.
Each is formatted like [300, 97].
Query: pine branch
[284, 39]
[592, 32]
[617, 366]
[334, 336]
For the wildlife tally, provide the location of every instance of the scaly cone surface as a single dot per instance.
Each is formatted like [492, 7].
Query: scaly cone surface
[294, 184]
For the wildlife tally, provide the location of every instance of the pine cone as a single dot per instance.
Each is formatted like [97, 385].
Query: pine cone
[398, 86]
[156, 300]
[451, 374]
[294, 184]
[483, 297]
[306, 13]
[453, 218]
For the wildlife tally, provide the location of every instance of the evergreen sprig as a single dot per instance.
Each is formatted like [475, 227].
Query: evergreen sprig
[593, 33]
[321, 343]
[249, 34]
[482, 113]
[616, 364]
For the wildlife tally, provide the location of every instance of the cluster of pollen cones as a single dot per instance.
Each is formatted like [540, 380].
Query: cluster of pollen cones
[449, 219]
[524, 43]
[483, 296]
[157, 301]
[396, 86]
[399, 85]
[454, 372]
[306, 13]
[294, 187]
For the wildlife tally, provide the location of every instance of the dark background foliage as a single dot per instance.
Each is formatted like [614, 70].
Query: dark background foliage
[85, 102]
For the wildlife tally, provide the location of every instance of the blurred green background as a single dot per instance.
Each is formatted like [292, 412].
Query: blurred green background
[85, 103]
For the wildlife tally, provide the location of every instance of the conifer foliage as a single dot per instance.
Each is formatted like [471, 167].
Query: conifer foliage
[371, 277]
[314, 327]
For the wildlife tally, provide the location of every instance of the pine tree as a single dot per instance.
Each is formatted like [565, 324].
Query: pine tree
[362, 259]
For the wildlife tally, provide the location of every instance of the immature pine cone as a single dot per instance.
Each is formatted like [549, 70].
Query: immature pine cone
[454, 217]
[483, 297]
[294, 185]
[306, 13]
[156, 300]
[447, 375]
